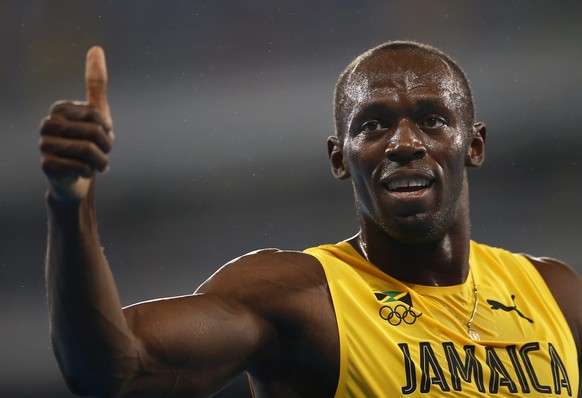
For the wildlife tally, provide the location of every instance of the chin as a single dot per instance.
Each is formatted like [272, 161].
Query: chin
[415, 230]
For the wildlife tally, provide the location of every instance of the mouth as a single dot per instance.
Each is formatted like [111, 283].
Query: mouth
[408, 184]
[410, 192]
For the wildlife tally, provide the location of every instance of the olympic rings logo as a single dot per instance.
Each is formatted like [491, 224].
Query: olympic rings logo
[395, 316]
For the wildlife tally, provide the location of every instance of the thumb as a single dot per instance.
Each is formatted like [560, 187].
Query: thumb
[96, 82]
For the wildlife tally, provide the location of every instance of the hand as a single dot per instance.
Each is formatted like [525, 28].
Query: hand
[76, 137]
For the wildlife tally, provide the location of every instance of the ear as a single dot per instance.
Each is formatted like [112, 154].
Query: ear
[336, 158]
[476, 151]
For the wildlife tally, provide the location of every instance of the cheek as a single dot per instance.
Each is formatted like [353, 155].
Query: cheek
[459, 143]
[364, 161]
[451, 155]
[363, 156]
[455, 141]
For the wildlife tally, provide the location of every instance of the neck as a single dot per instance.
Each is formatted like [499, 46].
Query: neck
[439, 262]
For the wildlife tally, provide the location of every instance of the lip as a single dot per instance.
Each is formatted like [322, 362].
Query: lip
[408, 184]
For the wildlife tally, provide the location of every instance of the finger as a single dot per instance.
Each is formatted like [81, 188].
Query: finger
[81, 151]
[77, 110]
[57, 168]
[80, 111]
[58, 125]
[96, 82]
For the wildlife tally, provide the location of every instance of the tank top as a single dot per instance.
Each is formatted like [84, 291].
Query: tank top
[400, 339]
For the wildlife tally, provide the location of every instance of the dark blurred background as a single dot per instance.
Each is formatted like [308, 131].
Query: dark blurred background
[222, 109]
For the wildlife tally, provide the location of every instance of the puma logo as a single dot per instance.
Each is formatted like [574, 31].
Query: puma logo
[496, 305]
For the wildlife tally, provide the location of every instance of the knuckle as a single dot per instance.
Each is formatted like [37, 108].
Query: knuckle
[44, 122]
[60, 106]
[99, 137]
[46, 144]
[89, 149]
[51, 125]
[75, 110]
[43, 145]
[92, 113]
[47, 164]
[94, 155]
[95, 83]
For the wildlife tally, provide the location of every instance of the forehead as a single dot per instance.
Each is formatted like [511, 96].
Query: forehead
[399, 73]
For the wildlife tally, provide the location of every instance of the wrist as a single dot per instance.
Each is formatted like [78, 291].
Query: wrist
[80, 212]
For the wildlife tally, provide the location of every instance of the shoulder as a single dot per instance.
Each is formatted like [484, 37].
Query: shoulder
[562, 280]
[268, 266]
[268, 279]
[566, 286]
[287, 291]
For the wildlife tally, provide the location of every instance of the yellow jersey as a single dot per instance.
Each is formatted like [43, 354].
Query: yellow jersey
[401, 339]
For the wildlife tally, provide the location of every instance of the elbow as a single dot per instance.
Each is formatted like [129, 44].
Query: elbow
[92, 387]
[88, 383]
[102, 381]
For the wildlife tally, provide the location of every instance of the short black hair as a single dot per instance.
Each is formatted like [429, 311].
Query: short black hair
[340, 98]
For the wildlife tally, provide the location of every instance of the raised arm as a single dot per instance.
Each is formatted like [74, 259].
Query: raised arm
[192, 344]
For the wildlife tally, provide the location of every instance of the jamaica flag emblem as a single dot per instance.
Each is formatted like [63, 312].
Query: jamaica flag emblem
[391, 297]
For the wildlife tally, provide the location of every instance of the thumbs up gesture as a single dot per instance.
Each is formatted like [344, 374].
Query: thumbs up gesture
[76, 137]
[96, 82]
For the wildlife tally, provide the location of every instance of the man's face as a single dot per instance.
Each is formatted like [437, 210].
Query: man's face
[406, 142]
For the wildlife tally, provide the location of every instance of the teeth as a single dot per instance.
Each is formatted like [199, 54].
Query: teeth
[414, 183]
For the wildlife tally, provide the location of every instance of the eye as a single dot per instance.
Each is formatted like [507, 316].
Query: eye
[434, 122]
[371, 126]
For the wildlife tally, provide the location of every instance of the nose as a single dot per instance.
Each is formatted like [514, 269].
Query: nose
[405, 145]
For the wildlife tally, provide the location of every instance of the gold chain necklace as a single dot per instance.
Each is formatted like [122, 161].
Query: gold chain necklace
[473, 335]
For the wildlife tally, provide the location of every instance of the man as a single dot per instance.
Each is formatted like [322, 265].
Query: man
[408, 306]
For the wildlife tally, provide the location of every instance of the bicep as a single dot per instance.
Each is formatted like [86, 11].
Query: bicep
[194, 344]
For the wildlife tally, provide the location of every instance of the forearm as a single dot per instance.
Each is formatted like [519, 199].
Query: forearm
[92, 342]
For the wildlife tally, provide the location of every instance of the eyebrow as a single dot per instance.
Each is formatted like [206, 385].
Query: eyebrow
[432, 103]
[421, 105]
